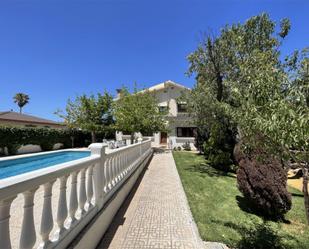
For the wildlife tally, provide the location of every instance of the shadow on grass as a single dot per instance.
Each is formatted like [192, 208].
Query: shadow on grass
[262, 236]
[248, 207]
[297, 195]
[205, 168]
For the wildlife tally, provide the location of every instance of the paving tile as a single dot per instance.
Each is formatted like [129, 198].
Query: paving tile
[157, 215]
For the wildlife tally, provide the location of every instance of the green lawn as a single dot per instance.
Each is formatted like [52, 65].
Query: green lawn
[215, 203]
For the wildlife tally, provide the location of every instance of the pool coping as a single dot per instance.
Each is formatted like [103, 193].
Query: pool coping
[5, 158]
[27, 177]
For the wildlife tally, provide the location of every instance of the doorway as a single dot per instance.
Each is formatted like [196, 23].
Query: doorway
[163, 139]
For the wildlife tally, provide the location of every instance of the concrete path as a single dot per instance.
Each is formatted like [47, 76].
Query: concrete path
[156, 214]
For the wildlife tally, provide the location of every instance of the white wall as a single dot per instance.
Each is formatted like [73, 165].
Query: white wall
[168, 97]
[29, 148]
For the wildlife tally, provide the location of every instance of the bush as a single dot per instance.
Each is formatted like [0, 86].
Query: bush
[186, 146]
[13, 137]
[47, 146]
[12, 148]
[263, 236]
[218, 149]
[263, 182]
[202, 135]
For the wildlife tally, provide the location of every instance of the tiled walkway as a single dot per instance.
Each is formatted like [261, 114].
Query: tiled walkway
[156, 214]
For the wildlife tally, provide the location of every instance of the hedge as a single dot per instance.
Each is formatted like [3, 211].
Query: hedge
[13, 137]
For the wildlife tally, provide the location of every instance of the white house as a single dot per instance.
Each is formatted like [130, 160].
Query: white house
[180, 126]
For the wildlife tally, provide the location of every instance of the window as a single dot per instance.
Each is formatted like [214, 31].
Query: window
[186, 131]
[182, 107]
[162, 108]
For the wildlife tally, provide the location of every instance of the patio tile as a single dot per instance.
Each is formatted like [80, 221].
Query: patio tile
[156, 214]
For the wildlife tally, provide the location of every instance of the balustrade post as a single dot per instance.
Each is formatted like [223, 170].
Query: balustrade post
[5, 206]
[62, 211]
[73, 198]
[140, 140]
[47, 221]
[98, 172]
[82, 191]
[28, 235]
[90, 186]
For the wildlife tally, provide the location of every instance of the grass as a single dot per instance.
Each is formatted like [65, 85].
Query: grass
[220, 211]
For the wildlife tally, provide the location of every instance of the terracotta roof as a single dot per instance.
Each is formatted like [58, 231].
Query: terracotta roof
[17, 117]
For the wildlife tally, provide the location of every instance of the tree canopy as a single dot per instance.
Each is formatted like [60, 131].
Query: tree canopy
[21, 99]
[91, 113]
[242, 81]
[138, 112]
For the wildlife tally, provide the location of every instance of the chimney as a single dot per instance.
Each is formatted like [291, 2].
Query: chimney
[119, 93]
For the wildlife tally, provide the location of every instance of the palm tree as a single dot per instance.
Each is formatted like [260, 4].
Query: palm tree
[21, 99]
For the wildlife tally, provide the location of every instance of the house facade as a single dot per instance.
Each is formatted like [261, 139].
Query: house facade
[180, 126]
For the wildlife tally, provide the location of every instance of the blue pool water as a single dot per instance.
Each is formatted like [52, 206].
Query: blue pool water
[22, 165]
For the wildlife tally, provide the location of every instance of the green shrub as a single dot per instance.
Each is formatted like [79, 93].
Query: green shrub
[47, 146]
[13, 137]
[218, 149]
[12, 148]
[186, 146]
[201, 136]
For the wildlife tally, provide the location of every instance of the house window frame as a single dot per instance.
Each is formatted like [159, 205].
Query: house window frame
[182, 107]
[163, 108]
[180, 133]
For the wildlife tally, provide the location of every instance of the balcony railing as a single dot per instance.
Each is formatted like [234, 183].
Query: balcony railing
[93, 180]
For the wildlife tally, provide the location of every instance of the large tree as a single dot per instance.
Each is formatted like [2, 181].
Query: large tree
[138, 112]
[21, 99]
[91, 113]
[241, 77]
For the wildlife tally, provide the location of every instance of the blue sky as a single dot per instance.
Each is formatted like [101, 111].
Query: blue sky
[55, 50]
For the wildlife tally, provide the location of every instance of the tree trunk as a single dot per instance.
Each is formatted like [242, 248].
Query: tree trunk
[93, 139]
[72, 142]
[220, 87]
[20, 110]
[305, 191]
[132, 138]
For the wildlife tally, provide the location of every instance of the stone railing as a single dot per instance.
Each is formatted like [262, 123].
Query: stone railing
[93, 180]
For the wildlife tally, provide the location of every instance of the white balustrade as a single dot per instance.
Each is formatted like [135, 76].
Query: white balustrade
[98, 177]
[73, 198]
[28, 235]
[90, 186]
[62, 211]
[47, 222]
[82, 191]
[5, 206]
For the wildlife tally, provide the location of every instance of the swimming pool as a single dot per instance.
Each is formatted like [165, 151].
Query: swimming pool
[13, 167]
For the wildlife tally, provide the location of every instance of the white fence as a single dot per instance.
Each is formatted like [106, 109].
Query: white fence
[93, 180]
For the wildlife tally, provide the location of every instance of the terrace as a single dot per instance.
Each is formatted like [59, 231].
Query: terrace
[73, 204]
